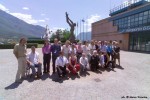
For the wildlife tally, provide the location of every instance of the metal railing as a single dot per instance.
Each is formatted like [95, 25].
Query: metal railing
[126, 4]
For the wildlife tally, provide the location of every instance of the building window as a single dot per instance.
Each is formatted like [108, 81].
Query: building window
[146, 13]
[137, 20]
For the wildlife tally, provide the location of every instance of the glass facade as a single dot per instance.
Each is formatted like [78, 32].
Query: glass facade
[139, 41]
[133, 21]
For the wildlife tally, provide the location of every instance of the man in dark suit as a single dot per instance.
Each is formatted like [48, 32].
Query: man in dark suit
[55, 49]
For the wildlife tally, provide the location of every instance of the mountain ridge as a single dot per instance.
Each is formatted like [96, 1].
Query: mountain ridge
[11, 26]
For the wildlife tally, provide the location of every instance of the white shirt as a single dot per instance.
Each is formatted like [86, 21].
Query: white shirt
[61, 61]
[91, 48]
[33, 57]
[66, 49]
[84, 61]
[102, 60]
[73, 51]
[86, 49]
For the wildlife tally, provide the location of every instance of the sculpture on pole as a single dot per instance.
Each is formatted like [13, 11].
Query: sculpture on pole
[47, 33]
[72, 28]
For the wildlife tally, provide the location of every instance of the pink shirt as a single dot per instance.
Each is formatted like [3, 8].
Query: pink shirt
[46, 49]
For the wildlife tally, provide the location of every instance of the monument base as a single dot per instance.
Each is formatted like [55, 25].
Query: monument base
[72, 38]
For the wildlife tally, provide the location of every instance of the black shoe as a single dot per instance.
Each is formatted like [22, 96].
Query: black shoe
[44, 72]
[64, 75]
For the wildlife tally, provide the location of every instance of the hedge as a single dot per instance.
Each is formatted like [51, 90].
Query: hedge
[11, 46]
[36, 41]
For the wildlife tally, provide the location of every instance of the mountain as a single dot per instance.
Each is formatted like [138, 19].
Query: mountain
[11, 26]
[86, 36]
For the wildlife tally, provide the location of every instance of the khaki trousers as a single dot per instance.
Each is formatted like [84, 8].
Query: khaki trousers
[22, 65]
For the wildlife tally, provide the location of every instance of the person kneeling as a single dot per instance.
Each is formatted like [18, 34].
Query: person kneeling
[94, 61]
[73, 66]
[34, 62]
[83, 62]
[61, 63]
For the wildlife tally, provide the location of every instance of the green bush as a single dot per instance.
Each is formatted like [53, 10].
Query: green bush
[36, 41]
[11, 46]
[7, 46]
[29, 45]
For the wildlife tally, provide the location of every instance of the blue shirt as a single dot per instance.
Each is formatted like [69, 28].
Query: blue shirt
[109, 49]
[55, 49]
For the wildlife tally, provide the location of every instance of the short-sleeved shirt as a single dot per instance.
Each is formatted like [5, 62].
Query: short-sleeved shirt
[61, 61]
[33, 57]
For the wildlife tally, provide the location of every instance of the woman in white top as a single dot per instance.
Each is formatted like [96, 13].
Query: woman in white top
[73, 49]
[91, 48]
[85, 48]
[66, 49]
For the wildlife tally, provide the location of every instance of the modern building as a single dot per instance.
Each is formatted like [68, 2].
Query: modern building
[129, 24]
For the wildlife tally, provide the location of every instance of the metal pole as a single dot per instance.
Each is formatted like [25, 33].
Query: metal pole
[80, 30]
[83, 30]
[77, 31]
[87, 28]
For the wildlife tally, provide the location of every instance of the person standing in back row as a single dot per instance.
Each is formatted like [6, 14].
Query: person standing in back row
[55, 49]
[46, 56]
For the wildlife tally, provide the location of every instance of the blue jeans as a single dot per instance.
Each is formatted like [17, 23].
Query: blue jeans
[38, 66]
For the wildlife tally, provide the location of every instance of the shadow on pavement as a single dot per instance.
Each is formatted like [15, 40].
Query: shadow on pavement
[119, 67]
[84, 73]
[12, 86]
[98, 72]
[55, 78]
[73, 76]
[45, 76]
[102, 69]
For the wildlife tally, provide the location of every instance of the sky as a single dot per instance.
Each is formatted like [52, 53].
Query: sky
[52, 12]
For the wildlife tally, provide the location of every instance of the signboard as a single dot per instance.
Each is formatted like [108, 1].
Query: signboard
[144, 28]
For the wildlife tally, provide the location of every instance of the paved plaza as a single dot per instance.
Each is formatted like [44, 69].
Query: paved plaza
[131, 79]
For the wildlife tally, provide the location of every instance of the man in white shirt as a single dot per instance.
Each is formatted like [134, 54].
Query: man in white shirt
[61, 63]
[34, 61]
[83, 62]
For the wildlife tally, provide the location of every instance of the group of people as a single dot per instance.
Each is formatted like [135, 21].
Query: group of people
[70, 57]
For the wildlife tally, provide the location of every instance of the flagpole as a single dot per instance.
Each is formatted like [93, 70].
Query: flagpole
[77, 31]
[80, 30]
[83, 28]
[86, 28]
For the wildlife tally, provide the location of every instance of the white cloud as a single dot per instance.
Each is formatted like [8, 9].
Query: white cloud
[25, 8]
[2, 7]
[43, 14]
[47, 19]
[90, 20]
[27, 18]
[41, 20]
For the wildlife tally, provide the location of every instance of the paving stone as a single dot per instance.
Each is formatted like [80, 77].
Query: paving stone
[132, 79]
